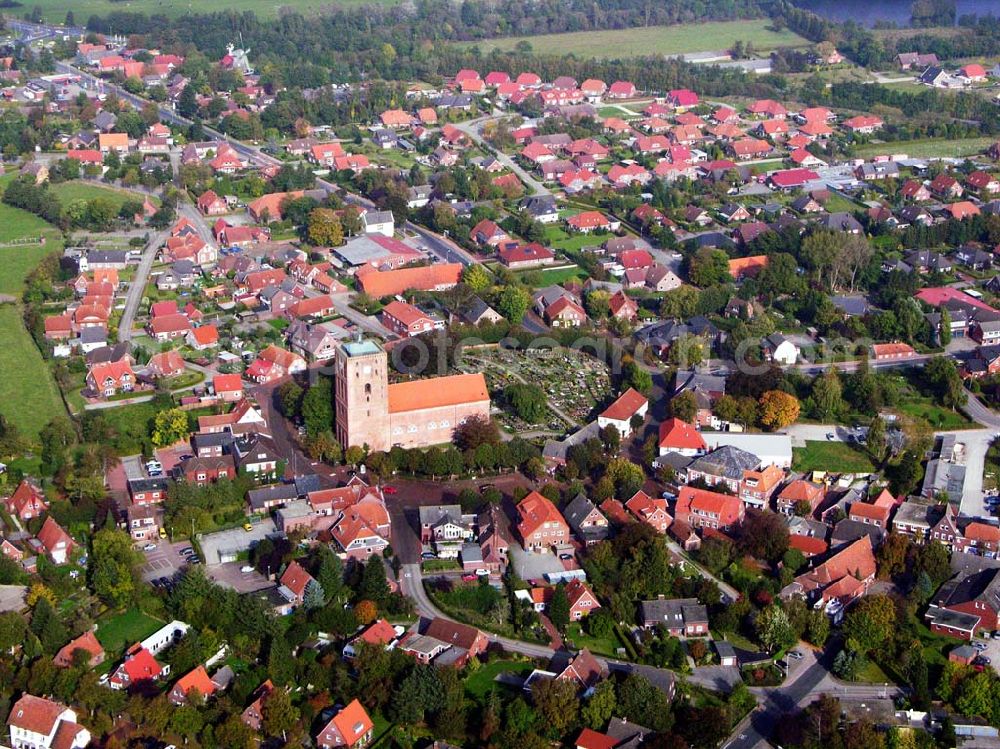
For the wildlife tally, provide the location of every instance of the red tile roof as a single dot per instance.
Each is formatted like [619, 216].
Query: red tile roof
[625, 406]
[428, 278]
[676, 434]
[196, 679]
[296, 579]
[534, 511]
[35, 714]
[438, 391]
[726, 508]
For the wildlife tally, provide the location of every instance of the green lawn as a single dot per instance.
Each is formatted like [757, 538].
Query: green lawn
[15, 223]
[839, 204]
[28, 393]
[600, 645]
[927, 148]
[67, 192]
[121, 630]
[938, 417]
[132, 426]
[830, 456]
[553, 276]
[17, 262]
[55, 10]
[665, 40]
[483, 681]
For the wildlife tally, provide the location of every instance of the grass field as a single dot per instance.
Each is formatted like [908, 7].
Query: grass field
[121, 630]
[928, 148]
[663, 40]
[55, 10]
[830, 456]
[67, 192]
[938, 417]
[28, 392]
[15, 223]
[540, 278]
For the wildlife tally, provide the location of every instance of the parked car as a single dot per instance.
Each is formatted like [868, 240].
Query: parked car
[797, 655]
[149, 547]
[565, 556]
[246, 568]
[389, 490]
[247, 527]
[469, 578]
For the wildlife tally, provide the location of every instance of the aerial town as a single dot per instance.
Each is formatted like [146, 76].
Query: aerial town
[496, 375]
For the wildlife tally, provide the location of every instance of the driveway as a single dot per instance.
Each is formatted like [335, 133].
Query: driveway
[229, 575]
[530, 565]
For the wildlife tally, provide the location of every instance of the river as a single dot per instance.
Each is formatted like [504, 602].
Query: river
[868, 12]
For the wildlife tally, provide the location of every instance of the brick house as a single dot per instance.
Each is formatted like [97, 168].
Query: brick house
[700, 508]
[539, 523]
[350, 727]
[27, 502]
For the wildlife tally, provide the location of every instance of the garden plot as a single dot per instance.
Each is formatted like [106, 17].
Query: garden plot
[574, 383]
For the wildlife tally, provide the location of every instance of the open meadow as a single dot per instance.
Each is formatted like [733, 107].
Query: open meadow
[663, 40]
[55, 10]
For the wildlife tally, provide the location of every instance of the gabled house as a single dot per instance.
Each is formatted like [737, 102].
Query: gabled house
[700, 508]
[539, 524]
[350, 727]
[680, 617]
[587, 522]
[649, 510]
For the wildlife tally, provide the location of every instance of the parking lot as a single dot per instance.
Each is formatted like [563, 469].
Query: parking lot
[230, 575]
[165, 561]
[215, 545]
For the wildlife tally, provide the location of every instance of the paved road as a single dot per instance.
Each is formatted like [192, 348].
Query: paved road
[474, 128]
[138, 284]
[728, 590]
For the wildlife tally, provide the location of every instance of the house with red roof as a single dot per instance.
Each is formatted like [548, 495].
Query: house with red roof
[58, 544]
[589, 221]
[581, 599]
[843, 577]
[211, 204]
[627, 406]
[139, 666]
[790, 179]
[797, 491]
[523, 256]
[961, 210]
[771, 128]
[565, 312]
[88, 644]
[622, 176]
[487, 233]
[203, 337]
[982, 182]
[621, 90]
[349, 728]
[109, 378]
[945, 186]
[253, 715]
[677, 436]
[436, 277]
[165, 364]
[357, 534]
[748, 148]
[39, 723]
[539, 524]
[623, 307]
[27, 502]
[747, 267]
[682, 98]
[768, 108]
[650, 510]
[758, 487]
[273, 363]
[864, 124]
[228, 387]
[537, 153]
[973, 72]
[294, 583]
[194, 682]
[405, 319]
[165, 328]
[892, 351]
[701, 508]
[379, 633]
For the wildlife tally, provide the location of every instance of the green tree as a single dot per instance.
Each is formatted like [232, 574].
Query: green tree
[112, 567]
[600, 708]
[773, 628]
[637, 377]
[827, 394]
[290, 398]
[325, 228]
[374, 586]
[317, 407]
[778, 409]
[709, 266]
[556, 701]
[513, 303]
[278, 713]
[944, 327]
[871, 623]
[169, 426]
[528, 401]
[684, 406]
[477, 278]
[876, 440]
[558, 608]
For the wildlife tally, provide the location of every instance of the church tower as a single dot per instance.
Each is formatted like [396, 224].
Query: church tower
[361, 395]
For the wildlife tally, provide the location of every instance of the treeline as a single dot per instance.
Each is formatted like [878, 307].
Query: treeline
[348, 28]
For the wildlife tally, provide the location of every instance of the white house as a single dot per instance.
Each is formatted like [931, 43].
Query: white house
[772, 449]
[780, 350]
[619, 414]
[38, 723]
[378, 222]
[167, 635]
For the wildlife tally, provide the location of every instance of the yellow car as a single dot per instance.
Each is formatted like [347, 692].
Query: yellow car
[163, 532]
[247, 527]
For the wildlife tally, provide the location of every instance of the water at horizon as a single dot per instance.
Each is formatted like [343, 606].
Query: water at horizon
[867, 12]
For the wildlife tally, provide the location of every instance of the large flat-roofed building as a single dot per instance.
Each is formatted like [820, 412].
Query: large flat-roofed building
[419, 413]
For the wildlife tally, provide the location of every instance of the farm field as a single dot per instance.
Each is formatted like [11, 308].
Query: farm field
[664, 40]
[28, 392]
[928, 148]
[55, 10]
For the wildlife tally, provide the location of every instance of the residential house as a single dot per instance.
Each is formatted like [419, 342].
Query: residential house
[843, 577]
[87, 644]
[680, 617]
[965, 604]
[800, 494]
[39, 723]
[539, 523]
[27, 502]
[627, 406]
[677, 436]
[759, 486]
[350, 727]
[650, 510]
[700, 508]
[724, 465]
[195, 682]
[587, 522]
[56, 542]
